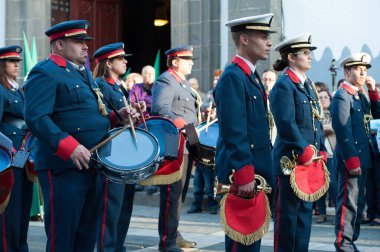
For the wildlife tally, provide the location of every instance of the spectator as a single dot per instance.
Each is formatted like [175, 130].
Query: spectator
[132, 79]
[269, 78]
[325, 99]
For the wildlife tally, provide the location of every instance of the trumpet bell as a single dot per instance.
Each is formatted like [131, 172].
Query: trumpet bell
[287, 165]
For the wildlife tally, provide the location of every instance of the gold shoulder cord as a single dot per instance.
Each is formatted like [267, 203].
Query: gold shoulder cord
[102, 107]
[317, 112]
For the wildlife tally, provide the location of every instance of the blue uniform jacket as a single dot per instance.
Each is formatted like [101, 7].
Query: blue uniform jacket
[173, 98]
[111, 92]
[290, 103]
[62, 112]
[244, 142]
[12, 104]
[354, 146]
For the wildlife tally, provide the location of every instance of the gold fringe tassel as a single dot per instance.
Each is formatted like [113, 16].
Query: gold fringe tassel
[163, 179]
[314, 196]
[241, 238]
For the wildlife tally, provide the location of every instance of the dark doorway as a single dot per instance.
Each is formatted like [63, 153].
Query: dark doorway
[141, 37]
[129, 21]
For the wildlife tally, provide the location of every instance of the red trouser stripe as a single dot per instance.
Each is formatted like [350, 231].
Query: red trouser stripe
[4, 232]
[277, 215]
[166, 219]
[51, 212]
[341, 223]
[234, 246]
[104, 214]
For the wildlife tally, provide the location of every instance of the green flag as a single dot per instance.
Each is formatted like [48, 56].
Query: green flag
[33, 52]
[157, 64]
[127, 72]
[27, 57]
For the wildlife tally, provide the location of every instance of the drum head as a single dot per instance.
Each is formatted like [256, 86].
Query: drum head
[5, 159]
[124, 154]
[160, 128]
[210, 137]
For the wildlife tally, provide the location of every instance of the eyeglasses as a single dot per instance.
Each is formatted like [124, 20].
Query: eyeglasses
[307, 53]
[324, 97]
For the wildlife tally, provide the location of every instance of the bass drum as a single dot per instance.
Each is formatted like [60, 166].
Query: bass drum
[127, 161]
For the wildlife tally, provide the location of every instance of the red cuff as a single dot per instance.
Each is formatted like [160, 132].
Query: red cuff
[113, 119]
[306, 156]
[324, 154]
[66, 147]
[374, 96]
[244, 175]
[179, 123]
[352, 163]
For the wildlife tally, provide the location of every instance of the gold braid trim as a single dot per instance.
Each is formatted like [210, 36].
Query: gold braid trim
[163, 179]
[102, 107]
[314, 196]
[318, 113]
[199, 104]
[241, 238]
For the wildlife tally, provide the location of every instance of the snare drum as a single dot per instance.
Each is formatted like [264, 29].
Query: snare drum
[167, 135]
[126, 161]
[204, 153]
[5, 152]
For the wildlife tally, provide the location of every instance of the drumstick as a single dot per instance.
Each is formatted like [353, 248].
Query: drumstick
[101, 144]
[208, 117]
[207, 124]
[130, 120]
[139, 107]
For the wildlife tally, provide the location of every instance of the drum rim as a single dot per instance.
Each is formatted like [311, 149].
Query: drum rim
[154, 160]
[8, 154]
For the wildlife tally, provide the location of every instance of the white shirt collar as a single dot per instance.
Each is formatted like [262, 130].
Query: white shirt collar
[76, 66]
[351, 86]
[300, 76]
[14, 84]
[249, 63]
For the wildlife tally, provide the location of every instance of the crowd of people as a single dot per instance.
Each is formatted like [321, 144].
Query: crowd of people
[269, 125]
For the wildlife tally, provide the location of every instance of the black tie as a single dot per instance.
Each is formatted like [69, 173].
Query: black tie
[84, 74]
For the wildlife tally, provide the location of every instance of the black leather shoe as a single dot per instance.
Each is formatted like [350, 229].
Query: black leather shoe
[194, 210]
[170, 248]
[182, 243]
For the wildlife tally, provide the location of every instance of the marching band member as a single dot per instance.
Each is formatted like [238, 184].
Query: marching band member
[14, 221]
[65, 111]
[117, 199]
[173, 97]
[241, 105]
[297, 112]
[354, 153]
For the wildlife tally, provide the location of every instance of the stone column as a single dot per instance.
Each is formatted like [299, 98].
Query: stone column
[31, 16]
[197, 23]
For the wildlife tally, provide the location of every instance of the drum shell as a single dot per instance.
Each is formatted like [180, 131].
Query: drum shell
[130, 176]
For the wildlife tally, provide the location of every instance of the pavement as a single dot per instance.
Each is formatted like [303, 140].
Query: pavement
[204, 228]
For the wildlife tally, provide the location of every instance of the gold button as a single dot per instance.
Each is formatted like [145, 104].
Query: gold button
[77, 86]
[16, 101]
[14, 133]
[316, 143]
[359, 110]
[254, 97]
[356, 142]
[304, 101]
[78, 129]
[252, 146]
